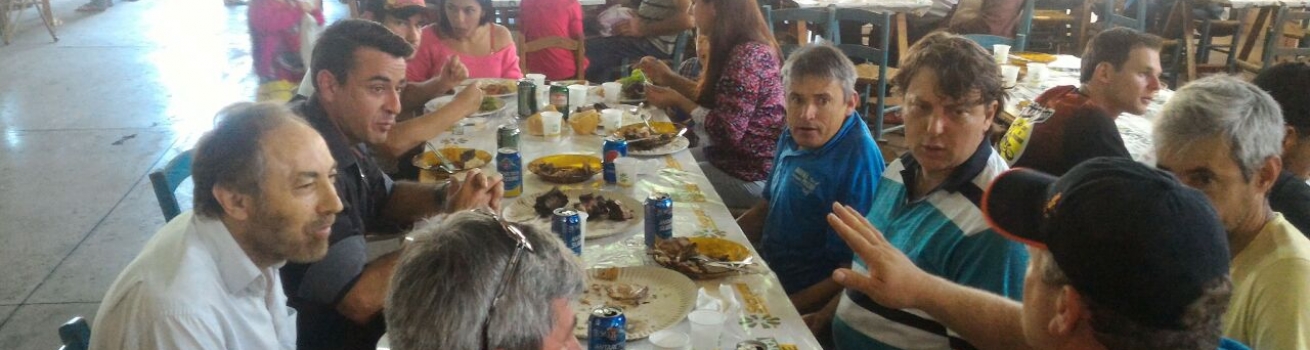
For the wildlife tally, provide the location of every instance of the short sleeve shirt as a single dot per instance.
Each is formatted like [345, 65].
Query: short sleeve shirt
[1058, 130]
[314, 289]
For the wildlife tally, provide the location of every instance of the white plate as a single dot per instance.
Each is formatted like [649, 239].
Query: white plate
[436, 103]
[670, 298]
[521, 211]
[676, 146]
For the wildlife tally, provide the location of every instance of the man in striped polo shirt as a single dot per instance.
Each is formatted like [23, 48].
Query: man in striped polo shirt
[928, 202]
[652, 32]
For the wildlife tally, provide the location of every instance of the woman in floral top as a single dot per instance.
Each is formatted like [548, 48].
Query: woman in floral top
[739, 97]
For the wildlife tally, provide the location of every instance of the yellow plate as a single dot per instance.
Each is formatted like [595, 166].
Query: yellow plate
[1036, 57]
[428, 161]
[720, 249]
[714, 248]
[649, 143]
[590, 165]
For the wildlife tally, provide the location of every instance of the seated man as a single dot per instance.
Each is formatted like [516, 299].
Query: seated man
[1222, 136]
[927, 200]
[1069, 124]
[359, 67]
[825, 155]
[208, 279]
[652, 32]
[474, 281]
[1123, 258]
[1289, 84]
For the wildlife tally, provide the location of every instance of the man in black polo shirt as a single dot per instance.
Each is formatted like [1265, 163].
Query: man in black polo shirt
[359, 70]
[1289, 84]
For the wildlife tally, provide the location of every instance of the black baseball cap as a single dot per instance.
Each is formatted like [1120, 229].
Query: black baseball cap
[1129, 237]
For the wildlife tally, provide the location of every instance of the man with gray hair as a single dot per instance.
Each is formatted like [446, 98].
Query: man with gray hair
[209, 279]
[474, 281]
[825, 155]
[1223, 136]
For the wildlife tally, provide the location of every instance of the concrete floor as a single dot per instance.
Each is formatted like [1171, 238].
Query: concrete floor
[82, 121]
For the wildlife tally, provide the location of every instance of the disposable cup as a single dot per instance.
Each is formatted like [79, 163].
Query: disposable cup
[706, 328]
[626, 170]
[670, 340]
[551, 122]
[612, 91]
[1009, 74]
[610, 119]
[1001, 53]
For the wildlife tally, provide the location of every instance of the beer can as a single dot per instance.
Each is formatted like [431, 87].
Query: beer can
[507, 136]
[659, 218]
[613, 148]
[752, 345]
[510, 166]
[559, 97]
[527, 98]
[567, 224]
[607, 329]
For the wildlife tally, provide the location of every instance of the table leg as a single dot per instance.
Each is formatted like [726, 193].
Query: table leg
[802, 35]
[1259, 27]
[1189, 47]
[902, 36]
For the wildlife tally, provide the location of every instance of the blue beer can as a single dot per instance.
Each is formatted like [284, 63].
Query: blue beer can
[568, 225]
[659, 218]
[607, 329]
[510, 167]
[613, 148]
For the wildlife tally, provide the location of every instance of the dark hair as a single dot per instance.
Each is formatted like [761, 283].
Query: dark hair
[1289, 84]
[1113, 46]
[335, 49]
[961, 65]
[378, 8]
[738, 22]
[230, 154]
[488, 14]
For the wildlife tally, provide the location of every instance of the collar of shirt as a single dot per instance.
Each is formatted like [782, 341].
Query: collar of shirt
[792, 149]
[237, 270]
[345, 153]
[961, 176]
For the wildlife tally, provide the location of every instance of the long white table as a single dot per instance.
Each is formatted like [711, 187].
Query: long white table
[698, 211]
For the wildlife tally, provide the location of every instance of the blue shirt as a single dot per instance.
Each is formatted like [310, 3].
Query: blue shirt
[798, 244]
[943, 233]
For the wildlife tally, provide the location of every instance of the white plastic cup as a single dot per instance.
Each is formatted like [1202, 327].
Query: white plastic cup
[706, 327]
[1009, 74]
[577, 96]
[551, 123]
[670, 340]
[1001, 53]
[610, 119]
[1037, 73]
[625, 169]
[582, 228]
[543, 91]
[612, 91]
[538, 79]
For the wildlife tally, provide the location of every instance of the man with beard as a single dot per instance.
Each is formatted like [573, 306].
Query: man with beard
[359, 71]
[264, 195]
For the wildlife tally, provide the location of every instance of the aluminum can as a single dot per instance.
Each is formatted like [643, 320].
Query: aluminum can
[607, 329]
[559, 97]
[527, 97]
[752, 345]
[507, 136]
[613, 148]
[510, 167]
[567, 224]
[659, 218]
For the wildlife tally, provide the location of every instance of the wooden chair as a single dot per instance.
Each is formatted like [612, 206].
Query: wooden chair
[12, 10]
[75, 334]
[578, 47]
[798, 18]
[1297, 21]
[165, 181]
[864, 55]
[1020, 40]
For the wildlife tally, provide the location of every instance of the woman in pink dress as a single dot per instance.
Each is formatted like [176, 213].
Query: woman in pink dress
[465, 30]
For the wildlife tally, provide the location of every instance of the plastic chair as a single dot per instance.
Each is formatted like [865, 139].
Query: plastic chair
[812, 15]
[165, 181]
[1020, 40]
[868, 54]
[578, 47]
[75, 334]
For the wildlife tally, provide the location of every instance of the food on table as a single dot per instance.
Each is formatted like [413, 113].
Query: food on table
[641, 137]
[490, 104]
[534, 121]
[550, 170]
[460, 158]
[495, 89]
[584, 123]
[598, 207]
[547, 203]
[699, 257]
[627, 294]
[469, 160]
[607, 274]
[634, 86]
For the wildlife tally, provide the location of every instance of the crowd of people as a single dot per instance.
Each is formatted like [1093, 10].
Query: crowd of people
[1051, 238]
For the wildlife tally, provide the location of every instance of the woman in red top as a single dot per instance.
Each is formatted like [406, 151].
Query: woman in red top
[547, 18]
[465, 31]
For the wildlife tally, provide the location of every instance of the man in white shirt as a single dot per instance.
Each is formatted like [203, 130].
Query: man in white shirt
[209, 279]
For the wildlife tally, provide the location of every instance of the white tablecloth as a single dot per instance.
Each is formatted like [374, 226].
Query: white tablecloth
[1135, 129]
[905, 6]
[698, 211]
[1259, 3]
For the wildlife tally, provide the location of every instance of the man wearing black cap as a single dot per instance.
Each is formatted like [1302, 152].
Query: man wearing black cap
[1123, 257]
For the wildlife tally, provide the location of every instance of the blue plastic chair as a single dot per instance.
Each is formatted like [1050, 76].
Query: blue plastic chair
[165, 181]
[1019, 42]
[76, 334]
[868, 54]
